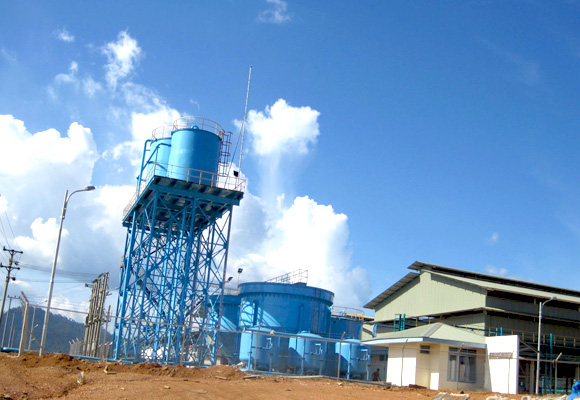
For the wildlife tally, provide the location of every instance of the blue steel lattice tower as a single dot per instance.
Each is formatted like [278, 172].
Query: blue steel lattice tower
[176, 249]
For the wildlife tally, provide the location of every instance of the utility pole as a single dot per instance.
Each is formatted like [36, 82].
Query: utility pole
[9, 268]
[96, 316]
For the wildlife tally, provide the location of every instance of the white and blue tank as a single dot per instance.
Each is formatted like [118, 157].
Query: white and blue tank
[288, 308]
[270, 313]
[189, 150]
[228, 339]
[307, 353]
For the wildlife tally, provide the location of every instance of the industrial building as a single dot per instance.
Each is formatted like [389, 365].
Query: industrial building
[450, 328]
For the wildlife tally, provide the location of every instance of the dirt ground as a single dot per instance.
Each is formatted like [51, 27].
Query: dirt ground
[61, 376]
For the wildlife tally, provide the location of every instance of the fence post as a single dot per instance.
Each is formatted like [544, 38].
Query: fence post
[340, 355]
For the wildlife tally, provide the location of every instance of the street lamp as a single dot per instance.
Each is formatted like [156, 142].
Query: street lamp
[51, 285]
[539, 342]
[240, 270]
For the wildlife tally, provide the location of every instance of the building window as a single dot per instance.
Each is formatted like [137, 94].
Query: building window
[461, 366]
[425, 349]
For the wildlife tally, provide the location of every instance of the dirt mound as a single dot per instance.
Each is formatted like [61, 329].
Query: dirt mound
[53, 360]
[179, 371]
[60, 376]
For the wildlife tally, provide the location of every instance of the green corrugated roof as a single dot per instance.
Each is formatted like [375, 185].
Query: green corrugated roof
[432, 333]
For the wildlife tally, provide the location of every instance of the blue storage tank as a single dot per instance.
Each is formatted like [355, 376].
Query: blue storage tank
[230, 312]
[351, 327]
[158, 159]
[355, 359]
[227, 348]
[194, 155]
[262, 350]
[307, 354]
[285, 307]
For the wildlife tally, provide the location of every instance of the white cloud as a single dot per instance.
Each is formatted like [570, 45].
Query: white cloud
[23, 153]
[122, 55]
[270, 238]
[283, 129]
[35, 171]
[8, 56]
[493, 270]
[306, 235]
[71, 77]
[41, 245]
[142, 126]
[91, 87]
[64, 35]
[493, 238]
[276, 14]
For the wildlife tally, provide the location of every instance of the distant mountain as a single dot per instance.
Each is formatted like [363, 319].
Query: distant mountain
[62, 331]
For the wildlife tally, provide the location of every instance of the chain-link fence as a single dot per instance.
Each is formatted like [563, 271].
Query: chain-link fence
[264, 350]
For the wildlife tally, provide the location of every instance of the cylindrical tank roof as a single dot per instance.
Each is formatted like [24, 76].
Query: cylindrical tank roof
[285, 289]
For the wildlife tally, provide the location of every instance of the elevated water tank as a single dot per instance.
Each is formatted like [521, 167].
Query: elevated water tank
[158, 158]
[288, 308]
[307, 354]
[194, 155]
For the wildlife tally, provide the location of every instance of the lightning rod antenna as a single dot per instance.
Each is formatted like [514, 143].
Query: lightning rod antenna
[243, 129]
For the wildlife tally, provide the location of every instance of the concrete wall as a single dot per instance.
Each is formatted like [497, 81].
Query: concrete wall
[502, 367]
[402, 364]
[407, 365]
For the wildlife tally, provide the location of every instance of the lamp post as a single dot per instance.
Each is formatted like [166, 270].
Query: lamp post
[51, 285]
[240, 270]
[542, 304]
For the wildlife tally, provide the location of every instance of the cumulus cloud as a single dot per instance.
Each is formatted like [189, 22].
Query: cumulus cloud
[36, 169]
[275, 238]
[123, 56]
[282, 128]
[64, 35]
[142, 125]
[305, 235]
[276, 13]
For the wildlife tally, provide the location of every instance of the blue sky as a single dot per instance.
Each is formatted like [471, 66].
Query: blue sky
[379, 133]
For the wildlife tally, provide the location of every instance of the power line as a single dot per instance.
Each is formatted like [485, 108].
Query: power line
[4, 230]
[11, 265]
[10, 226]
[3, 233]
[83, 275]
